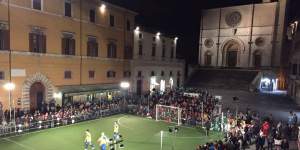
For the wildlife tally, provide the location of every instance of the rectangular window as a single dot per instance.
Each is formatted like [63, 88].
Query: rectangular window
[68, 45]
[2, 75]
[37, 43]
[163, 51]
[37, 4]
[128, 53]
[139, 73]
[68, 75]
[154, 39]
[127, 74]
[92, 15]
[92, 47]
[111, 74]
[68, 8]
[294, 69]
[152, 73]
[91, 74]
[140, 48]
[4, 39]
[153, 50]
[112, 20]
[112, 50]
[172, 52]
[140, 36]
[128, 25]
[162, 73]
[171, 73]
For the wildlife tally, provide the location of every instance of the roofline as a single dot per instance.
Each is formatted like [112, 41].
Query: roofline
[155, 32]
[119, 7]
[238, 5]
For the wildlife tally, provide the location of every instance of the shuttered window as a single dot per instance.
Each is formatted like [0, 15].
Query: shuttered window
[4, 39]
[37, 43]
[92, 47]
[68, 46]
[112, 50]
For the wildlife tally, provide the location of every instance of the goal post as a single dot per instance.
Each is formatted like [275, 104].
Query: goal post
[169, 114]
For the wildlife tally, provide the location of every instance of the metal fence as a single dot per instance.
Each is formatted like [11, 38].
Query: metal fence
[34, 124]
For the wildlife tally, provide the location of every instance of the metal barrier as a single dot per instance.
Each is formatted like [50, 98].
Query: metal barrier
[34, 124]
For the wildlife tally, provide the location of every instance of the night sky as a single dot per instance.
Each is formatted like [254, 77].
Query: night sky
[181, 18]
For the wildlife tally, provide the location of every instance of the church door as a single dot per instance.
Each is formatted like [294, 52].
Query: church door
[232, 58]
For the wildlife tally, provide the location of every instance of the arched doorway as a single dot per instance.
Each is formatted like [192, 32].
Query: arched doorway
[37, 95]
[231, 53]
[208, 58]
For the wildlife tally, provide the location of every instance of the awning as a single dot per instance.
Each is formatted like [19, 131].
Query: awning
[72, 90]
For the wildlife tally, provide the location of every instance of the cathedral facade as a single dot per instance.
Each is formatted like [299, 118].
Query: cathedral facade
[246, 36]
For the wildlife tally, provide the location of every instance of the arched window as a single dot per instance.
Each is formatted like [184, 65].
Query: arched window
[112, 50]
[208, 58]
[257, 59]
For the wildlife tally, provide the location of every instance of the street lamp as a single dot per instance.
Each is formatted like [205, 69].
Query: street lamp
[102, 8]
[10, 87]
[125, 86]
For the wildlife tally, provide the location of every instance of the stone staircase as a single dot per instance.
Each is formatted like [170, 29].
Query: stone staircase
[222, 78]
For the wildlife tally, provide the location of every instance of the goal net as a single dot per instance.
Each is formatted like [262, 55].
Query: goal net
[168, 113]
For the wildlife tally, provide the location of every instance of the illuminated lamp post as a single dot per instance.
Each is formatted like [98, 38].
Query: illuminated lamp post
[124, 86]
[10, 87]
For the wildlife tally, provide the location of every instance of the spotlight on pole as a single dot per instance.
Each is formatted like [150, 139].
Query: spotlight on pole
[9, 86]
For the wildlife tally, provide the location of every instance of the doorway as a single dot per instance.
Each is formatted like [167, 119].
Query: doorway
[37, 95]
[139, 85]
[232, 58]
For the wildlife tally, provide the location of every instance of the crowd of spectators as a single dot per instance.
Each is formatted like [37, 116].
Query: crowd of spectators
[189, 100]
[249, 128]
[52, 115]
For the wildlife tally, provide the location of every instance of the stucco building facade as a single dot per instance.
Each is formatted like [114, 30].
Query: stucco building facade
[63, 50]
[155, 65]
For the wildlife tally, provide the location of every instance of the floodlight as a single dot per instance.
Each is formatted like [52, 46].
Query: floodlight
[9, 86]
[102, 8]
[124, 85]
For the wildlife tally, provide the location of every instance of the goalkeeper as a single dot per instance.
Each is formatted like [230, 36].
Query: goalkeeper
[88, 140]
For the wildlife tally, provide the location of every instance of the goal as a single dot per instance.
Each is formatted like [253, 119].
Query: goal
[168, 113]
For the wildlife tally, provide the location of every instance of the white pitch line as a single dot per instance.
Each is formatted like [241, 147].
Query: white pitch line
[19, 144]
[119, 122]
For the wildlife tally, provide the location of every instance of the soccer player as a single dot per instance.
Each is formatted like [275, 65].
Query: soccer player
[88, 140]
[103, 140]
[116, 131]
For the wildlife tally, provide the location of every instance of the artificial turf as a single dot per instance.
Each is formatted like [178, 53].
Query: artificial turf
[138, 134]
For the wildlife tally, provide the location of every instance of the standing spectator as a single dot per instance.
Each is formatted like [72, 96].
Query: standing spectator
[295, 119]
[277, 142]
[290, 118]
[285, 144]
[207, 127]
[259, 142]
[270, 142]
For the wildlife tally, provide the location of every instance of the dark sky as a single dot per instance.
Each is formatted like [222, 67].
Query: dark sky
[180, 18]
